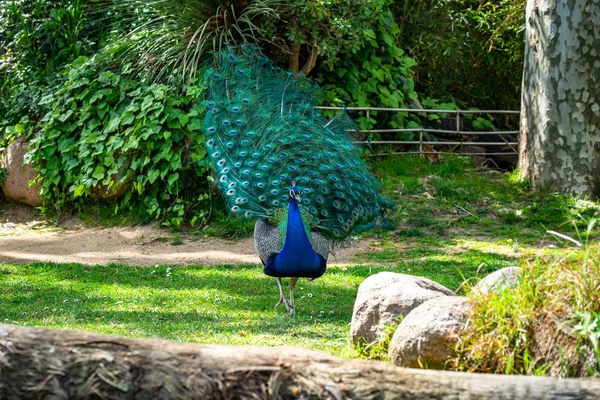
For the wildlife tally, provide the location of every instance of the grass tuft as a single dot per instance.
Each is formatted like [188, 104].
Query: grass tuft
[549, 324]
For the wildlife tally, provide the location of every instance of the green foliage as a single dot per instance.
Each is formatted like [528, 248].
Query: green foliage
[469, 50]
[37, 39]
[362, 65]
[554, 295]
[379, 350]
[105, 129]
[172, 37]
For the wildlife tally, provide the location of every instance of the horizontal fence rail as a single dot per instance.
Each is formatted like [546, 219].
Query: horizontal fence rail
[425, 146]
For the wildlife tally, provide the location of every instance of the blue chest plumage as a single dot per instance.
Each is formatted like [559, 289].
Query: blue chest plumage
[297, 258]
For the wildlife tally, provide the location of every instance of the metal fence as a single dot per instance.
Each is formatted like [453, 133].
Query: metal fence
[425, 147]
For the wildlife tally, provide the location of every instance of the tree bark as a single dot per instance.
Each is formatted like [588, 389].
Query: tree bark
[560, 120]
[295, 58]
[312, 59]
[50, 364]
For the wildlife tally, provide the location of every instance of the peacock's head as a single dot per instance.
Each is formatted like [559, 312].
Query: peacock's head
[294, 194]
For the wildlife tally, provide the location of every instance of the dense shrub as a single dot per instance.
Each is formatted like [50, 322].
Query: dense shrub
[359, 62]
[105, 129]
[38, 38]
[466, 50]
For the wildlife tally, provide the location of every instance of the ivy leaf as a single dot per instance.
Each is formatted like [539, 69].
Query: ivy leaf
[174, 124]
[98, 172]
[148, 100]
[153, 175]
[378, 74]
[113, 124]
[195, 124]
[65, 116]
[183, 119]
[79, 190]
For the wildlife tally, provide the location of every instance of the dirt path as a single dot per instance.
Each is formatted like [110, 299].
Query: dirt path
[25, 238]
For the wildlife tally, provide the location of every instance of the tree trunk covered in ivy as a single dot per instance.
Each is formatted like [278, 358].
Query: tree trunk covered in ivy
[560, 120]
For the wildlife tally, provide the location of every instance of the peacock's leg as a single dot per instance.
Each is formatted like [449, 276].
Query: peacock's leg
[282, 296]
[292, 286]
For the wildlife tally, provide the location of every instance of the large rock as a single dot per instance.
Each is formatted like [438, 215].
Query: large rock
[505, 277]
[16, 185]
[383, 297]
[427, 336]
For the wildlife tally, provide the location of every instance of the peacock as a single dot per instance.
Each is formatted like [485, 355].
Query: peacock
[281, 163]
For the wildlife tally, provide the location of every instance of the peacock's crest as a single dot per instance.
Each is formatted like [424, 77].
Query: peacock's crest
[262, 131]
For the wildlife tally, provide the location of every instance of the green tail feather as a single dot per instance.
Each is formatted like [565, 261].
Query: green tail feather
[262, 131]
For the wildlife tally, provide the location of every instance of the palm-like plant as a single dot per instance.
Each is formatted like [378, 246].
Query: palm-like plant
[163, 37]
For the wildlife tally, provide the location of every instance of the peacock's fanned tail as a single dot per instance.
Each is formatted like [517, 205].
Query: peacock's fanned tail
[262, 131]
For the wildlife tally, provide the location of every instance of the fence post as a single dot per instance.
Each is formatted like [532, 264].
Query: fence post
[421, 142]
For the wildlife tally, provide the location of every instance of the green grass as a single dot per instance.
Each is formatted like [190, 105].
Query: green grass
[225, 305]
[452, 223]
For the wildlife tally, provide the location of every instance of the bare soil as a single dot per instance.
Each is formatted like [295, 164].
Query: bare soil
[26, 237]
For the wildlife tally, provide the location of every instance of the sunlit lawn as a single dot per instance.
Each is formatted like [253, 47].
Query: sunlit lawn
[451, 223]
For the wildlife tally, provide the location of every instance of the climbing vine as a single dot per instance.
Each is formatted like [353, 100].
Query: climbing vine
[106, 131]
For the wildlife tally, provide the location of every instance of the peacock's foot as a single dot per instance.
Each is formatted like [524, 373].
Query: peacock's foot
[288, 307]
[281, 300]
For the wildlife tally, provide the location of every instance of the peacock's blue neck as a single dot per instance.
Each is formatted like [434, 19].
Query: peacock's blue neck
[297, 258]
[296, 240]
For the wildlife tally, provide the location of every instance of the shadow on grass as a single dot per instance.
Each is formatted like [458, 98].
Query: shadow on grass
[196, 303]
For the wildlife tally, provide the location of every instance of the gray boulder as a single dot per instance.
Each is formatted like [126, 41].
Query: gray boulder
[16, 185]
[385, 296]
[505, 277]
[427, 336]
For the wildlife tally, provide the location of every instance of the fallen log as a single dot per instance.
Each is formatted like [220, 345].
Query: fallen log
[52, 364]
